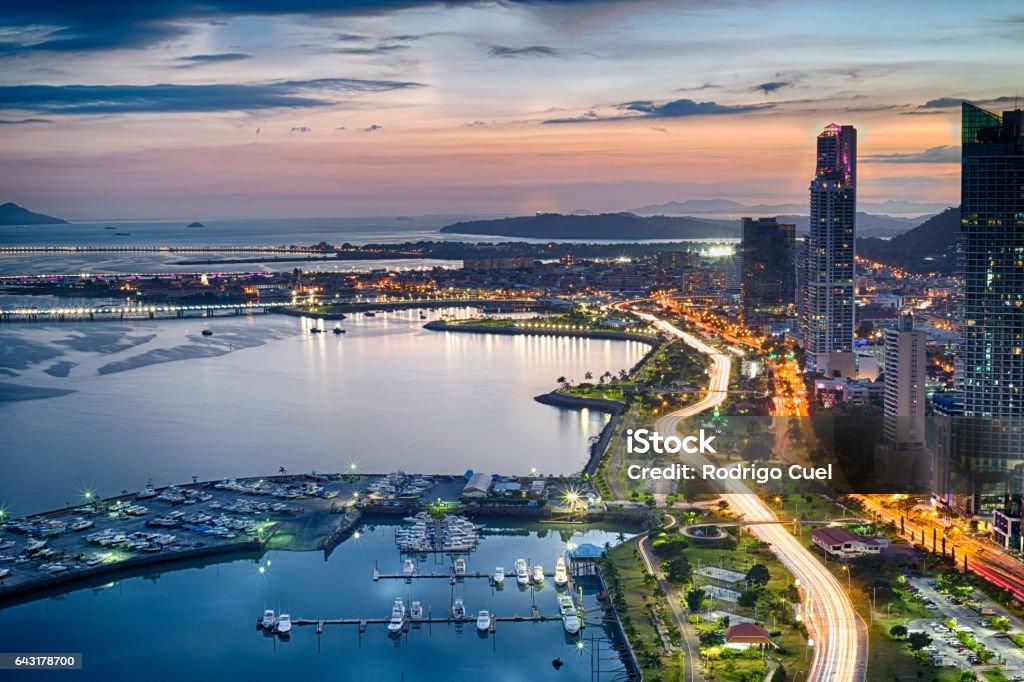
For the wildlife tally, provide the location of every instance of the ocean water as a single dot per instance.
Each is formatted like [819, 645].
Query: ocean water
[199, 623]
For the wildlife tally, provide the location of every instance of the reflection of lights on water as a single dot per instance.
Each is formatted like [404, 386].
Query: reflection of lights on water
[262, 570]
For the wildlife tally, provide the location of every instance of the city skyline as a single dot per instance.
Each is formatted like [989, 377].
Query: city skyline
[408, 107]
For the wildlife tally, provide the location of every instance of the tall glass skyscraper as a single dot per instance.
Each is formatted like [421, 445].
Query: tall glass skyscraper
[829, 279]
[990, 362]
[768, 253]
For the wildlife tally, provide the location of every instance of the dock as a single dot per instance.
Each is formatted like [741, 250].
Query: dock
[452, 575]
[320, 623]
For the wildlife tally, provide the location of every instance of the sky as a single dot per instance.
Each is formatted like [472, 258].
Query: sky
[232, 109]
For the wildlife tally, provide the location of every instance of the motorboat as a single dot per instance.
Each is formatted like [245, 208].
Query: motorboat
[499, 576]
[207, 332]
[82, 524]
[146, 493]
[339, 330]
[397, 621]
[522, 572]
[416, 611]
[483, 621]
[268, 621]
[460, 567]
[35, 546]
[409, 568]
[570, 617]
[284, 625]
[561, 575]
[6, 545]
[538, 574]
[4, 572]
[458, 609]
[370, 314]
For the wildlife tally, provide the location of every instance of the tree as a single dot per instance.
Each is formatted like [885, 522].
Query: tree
[758, 575]
[747, 599]
[968, 676]
[588, 376]
[918, 640]
[898, 631]
[678, 570]
[695, 599]
[1000, 624]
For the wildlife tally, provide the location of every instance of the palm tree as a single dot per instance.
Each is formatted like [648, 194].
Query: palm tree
[282, 471]
[588, 376]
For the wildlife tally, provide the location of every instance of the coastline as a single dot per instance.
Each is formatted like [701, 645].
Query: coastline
[439, 325]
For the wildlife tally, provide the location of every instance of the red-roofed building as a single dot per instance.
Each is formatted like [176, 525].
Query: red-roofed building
[840, 542]
[745, 635]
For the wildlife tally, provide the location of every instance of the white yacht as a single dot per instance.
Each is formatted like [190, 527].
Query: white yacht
[499, 576]
[458, 609]
[409, 568]
[522, 572]
[35, 546]
[284, 625]
[269, 621]
[483, 621]
[4, 572]
[397, 616]
[561, 575]
[570, 617]
[538, 574]
[82, 524]
[460, 566]
[416, 611]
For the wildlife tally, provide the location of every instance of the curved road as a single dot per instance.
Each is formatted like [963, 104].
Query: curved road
[839, 635]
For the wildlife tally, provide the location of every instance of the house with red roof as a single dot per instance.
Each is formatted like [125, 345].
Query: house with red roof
[841, 542]
[745, 635]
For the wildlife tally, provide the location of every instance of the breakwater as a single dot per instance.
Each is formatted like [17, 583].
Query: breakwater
[521, 331]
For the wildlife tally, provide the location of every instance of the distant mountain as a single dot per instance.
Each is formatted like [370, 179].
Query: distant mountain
[727, 207]
[929, 247]
[600, 226]
[868, 224]
[12, 214]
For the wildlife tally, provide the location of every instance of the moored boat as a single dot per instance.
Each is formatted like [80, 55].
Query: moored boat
[522, 572]
[268, 621]
[570, 617]
[538, 574]
[458, 609]
[284, 625]
[499, 576]
[561, 574]
[483, 621]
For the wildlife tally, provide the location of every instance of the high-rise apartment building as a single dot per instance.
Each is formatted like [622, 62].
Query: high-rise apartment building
[990, 360]
[905, 363]
[767, 252]
[829, 268]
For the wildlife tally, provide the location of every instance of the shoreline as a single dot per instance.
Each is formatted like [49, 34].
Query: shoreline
[439, 325]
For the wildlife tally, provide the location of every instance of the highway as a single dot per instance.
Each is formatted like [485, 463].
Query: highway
[839, 635]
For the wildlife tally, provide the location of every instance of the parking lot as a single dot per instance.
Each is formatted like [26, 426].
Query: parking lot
[967, 615]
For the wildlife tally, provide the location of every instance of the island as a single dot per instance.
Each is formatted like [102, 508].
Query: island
[12, 214]
[195, 224]
[599, 226]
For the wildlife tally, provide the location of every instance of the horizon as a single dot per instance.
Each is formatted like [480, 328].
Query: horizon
[404, 107]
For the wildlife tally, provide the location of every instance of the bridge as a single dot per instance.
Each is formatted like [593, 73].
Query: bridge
[690, 529]
[186, 249]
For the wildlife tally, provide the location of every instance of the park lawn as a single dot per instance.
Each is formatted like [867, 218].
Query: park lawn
[994, 675]
[598, 391]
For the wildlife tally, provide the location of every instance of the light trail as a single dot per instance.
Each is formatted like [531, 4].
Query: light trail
[839, 634]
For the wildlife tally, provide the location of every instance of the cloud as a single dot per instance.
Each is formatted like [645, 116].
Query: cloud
[174, 98]
[300, 129]
[707, 85]
[352, 38]
[372, 128]
[679, 108]
[79, 26]
[200, 59]
[531, 51]
[943, 154]
[22, 121]
[950, 102]
[772, 86]
[380, 48]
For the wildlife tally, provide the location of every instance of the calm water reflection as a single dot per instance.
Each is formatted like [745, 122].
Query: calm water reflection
[160, 401]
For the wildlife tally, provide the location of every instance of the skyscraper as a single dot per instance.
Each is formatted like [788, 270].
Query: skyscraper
[901, 459]
[990, 360]
[905, 355]
[768, 286]
[829, 275]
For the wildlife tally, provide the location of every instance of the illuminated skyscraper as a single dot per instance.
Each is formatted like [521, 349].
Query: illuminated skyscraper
[990, 361]
[828, 283]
